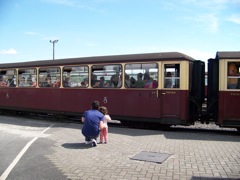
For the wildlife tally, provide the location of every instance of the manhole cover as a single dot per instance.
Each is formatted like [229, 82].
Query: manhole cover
[151, 157]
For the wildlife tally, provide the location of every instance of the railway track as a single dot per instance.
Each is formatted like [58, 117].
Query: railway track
[197, 127]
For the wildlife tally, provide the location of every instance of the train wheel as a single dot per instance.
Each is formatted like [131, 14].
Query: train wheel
[124, 123]
[166, 127]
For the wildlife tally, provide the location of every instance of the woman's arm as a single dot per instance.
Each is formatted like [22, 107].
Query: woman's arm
[83, 119]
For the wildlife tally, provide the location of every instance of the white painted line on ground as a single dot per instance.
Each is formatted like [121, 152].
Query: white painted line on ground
[18, 157]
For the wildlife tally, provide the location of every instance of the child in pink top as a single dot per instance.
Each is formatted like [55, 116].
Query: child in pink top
[104, 131]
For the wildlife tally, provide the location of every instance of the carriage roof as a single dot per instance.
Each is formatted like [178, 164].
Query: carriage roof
[228, 55]
[102, 59]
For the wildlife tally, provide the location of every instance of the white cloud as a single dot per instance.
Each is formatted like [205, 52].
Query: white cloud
[235, 18]
[208, 21]
[8, 51]
[199, 55]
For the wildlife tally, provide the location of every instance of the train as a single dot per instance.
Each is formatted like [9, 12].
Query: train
[163, 89]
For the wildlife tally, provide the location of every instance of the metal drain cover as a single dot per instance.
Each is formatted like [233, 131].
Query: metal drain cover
[151, 157]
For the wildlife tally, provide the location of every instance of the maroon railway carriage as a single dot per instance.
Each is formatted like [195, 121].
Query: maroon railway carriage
[224, 89]
[165, 88]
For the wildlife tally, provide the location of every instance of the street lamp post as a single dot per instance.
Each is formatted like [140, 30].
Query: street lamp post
[53, 42]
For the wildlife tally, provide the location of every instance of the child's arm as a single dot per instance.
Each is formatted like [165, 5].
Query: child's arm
[108, 118]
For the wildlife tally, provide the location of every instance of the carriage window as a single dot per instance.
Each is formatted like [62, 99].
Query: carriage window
[49, 77]
[8, 78]
[141, 75]
[233, 78]
[172, 76]
[27, 77]
[75, 76]
[106, 76]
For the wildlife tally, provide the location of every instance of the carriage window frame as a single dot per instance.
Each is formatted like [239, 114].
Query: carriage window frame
[172, 76]
[106, 76]
[233, 75]
[75, 76]
[8, 79]
[49, 77]
[27, 77]
[141, 75]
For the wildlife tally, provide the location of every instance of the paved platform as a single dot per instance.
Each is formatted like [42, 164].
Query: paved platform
[194, 155]
[199, 152]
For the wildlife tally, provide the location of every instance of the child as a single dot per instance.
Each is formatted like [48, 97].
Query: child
[104, 131]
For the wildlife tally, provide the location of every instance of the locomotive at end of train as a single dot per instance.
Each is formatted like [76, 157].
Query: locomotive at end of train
[163, 89]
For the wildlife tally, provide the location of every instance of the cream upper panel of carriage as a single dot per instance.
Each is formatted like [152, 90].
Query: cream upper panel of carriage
[229, 75]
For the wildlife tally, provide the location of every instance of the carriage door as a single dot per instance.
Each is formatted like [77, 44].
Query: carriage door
[170, 93]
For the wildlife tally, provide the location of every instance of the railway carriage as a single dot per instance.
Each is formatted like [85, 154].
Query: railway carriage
[224, 89]
[155, 88]
[67, 86]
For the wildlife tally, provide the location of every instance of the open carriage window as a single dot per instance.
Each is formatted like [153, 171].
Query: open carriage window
[49, 77]
[27, 77]
[106, 76]
[171, 75]
[233, 76]
[75, 76]
[141, 75]
[8, 78]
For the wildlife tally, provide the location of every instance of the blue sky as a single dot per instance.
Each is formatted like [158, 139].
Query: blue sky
[198, 28]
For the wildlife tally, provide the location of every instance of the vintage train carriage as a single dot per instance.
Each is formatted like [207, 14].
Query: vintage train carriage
[164, 88]
[224, 89]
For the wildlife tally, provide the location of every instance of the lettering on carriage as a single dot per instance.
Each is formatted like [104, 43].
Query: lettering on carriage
[171, 92]
[7, 95]
[105, 100]
[235, 94]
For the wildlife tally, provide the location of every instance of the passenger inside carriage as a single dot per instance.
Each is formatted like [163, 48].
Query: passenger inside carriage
[115, 81]
[66, 82]
[11, 83]
[139, 82]
[232, 76]
[148, 82]
[102, 82]
[34, 84]
[21, 82]
[127, 81]
[57, 83]
[4, 83]
[94, 81]
[168, 80]
[48, 82]
[132, 82]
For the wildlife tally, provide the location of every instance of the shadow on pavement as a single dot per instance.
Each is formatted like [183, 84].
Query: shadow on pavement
[76, 146]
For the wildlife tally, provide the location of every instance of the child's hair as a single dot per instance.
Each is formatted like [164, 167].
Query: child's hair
[103, 110]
